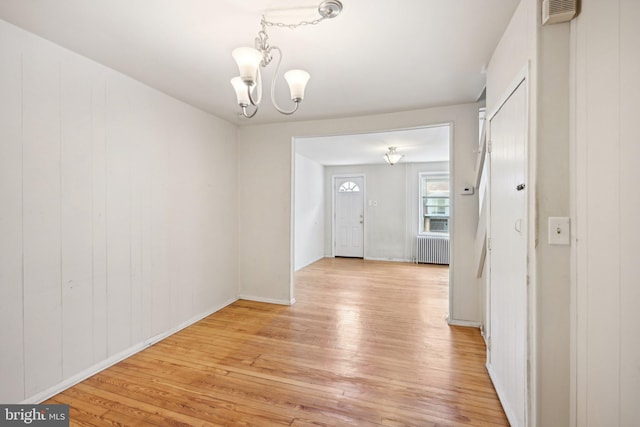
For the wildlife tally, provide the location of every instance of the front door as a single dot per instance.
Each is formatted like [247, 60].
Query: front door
[349, 216]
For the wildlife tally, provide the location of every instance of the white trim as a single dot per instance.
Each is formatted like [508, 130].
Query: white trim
[372, 131]
[531, 412]
[118, 357]
[267, 300]
[388, 259]
[466, 323]
[292, 222]
[452, 215]
[578, 350]
[309, 263]
[505, 407]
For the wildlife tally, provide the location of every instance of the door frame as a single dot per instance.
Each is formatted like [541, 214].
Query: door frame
[522, 77]
[364, 211]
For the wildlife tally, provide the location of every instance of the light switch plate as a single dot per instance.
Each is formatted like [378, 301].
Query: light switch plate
[559, 230]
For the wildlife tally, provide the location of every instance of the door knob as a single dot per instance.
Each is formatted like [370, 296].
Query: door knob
[520, 187]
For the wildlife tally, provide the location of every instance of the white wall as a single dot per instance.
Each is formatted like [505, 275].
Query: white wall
[605, 153]
[117, 222]
[516, 49]
[265, 176]
[544, 52]
[309, 211]
[392, 225]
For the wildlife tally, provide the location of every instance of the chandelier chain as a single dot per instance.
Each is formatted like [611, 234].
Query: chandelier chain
[292, 26]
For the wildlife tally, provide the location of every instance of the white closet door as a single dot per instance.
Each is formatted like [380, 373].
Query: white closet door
[508, 257]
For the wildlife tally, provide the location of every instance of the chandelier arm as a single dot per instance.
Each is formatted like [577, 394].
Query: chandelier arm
[273, 87]
[244, 111]
[256, 102]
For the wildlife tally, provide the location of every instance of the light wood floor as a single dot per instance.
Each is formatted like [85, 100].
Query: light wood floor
[366, 344]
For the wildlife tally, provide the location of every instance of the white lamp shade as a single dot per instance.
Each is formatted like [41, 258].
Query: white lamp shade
[392, 157]
[242, 94]
[248, 60]
[297, 81]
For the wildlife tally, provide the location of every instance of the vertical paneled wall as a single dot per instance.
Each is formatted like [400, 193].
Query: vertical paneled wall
[117, 217]
[607, 208]
[11, 229]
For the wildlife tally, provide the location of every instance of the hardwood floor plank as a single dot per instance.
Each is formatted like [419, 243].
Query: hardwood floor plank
[366, 344]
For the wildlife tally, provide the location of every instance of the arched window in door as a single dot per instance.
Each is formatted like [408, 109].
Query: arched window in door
[349, 187]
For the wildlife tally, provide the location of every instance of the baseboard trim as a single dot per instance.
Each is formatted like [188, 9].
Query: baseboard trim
[467, 323]
[483, 332]
[309, 263]
[505, 407]
[268, 300]
[118, 357]
[189, 322]
[387, 259]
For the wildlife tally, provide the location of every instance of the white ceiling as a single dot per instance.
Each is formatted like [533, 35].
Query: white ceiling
[376, 57]
[426, 144]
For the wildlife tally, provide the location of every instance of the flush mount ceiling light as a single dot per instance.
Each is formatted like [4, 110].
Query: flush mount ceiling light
[250, 60]
[392, 157]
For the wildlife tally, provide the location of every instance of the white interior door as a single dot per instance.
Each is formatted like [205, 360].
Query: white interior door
[508, 256]
[349, 216]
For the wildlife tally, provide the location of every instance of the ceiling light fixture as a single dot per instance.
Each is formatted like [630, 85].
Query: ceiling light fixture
[250, 60]
[392, 157]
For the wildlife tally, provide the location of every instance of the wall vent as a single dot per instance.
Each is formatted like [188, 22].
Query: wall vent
[557, 11]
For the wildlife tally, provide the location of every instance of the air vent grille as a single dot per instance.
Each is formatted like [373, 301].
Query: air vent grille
[557, 11]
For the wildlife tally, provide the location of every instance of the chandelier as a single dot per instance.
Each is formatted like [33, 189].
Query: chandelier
[392, 157]
[250, 59]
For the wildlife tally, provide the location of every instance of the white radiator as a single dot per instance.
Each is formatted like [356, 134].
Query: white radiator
[432, 250]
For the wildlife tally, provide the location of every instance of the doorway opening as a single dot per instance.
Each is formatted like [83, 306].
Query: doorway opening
[383, 220]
